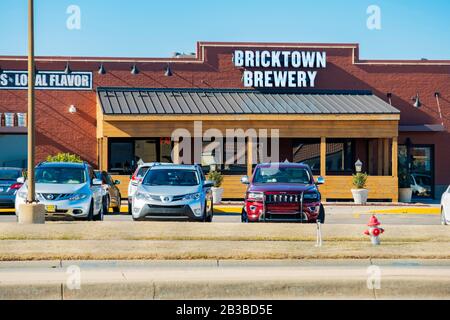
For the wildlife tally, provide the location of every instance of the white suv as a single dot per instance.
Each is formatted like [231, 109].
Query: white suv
[66, 189]
[176, 192]
[136, 178]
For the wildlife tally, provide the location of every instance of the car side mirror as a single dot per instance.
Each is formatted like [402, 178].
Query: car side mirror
[116, 181]
[245, 180]
[21, 180]
[320, 180]
[208, 184]
[96, 182]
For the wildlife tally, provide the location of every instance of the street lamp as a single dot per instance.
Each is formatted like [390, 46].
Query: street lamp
[358, 166]
[31, 211]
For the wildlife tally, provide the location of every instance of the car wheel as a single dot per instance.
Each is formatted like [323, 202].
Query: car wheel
[208, 217]
[244, 217]
[130, 208]
[443, 218]
[100, 215]
[117, 208]
[321, 216]
[90, 216]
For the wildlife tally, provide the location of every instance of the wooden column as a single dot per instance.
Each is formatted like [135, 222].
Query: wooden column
[250, 156]
[380, 157]
[395, 157]
[386, 160]
[176, 152]
[103, 154]
[323, 156]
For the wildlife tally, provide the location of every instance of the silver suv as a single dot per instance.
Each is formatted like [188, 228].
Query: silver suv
[67, 189]
[174, 192]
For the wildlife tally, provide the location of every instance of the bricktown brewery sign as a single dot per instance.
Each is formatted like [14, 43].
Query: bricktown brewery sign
[287, 61]
[49, 80]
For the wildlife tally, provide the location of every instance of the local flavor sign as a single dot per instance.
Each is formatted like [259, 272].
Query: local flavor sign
[280, 69]
[50, 80]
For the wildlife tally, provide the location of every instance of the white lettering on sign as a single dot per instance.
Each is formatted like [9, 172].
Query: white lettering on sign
[50, 80]
[277, 60]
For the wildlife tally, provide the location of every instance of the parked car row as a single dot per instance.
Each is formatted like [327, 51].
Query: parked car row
[276, 192]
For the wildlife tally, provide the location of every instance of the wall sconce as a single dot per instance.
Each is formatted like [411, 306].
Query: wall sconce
[67, 70]
[358, 166]
[72, 109]
[134, 70]
[389, 96]
[416, 100]
[101, 69]
[168, 72]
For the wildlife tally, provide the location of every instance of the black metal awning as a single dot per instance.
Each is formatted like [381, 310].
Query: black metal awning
[129, 101]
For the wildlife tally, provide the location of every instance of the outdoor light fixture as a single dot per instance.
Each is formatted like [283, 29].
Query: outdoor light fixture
[134, 70]
[168, 72]
[67, 70]
[417, 102]
[358, 166]
[389, 96]
[101, 69]
[72, 109]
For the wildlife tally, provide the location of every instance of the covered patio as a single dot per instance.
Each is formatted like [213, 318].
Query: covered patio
[328, 130]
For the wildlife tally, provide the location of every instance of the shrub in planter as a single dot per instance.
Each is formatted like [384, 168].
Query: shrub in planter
[217, 192]
[360, 193]
[64, 157]
[404, 186]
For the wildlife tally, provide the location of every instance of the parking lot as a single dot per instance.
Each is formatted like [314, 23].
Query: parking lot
[335, 215]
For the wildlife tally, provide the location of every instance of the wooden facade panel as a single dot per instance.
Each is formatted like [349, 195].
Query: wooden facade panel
[335, 187]
[380, 187]
[295, 129]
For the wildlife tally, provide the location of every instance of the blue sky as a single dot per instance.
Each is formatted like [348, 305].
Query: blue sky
[410, 29]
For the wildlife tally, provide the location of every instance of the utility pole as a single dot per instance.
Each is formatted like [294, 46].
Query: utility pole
[31, 211]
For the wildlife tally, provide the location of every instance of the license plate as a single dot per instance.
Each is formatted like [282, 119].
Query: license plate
[50, 208]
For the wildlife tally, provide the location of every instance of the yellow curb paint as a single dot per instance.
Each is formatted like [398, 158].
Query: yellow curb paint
[226, 209]
[7, 210]
[407, 211]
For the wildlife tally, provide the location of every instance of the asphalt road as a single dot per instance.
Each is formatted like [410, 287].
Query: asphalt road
[331, 218]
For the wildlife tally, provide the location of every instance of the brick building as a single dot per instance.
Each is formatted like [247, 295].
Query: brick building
[330, 107]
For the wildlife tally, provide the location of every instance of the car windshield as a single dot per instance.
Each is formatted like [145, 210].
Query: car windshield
[141, 172]
[282, 175]
[61, 175]
[9, 174]
[171, 177]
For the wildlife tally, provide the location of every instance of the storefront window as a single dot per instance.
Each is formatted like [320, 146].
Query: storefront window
[234, 158]
[418, 161]
[126, 154]
[340, 158]
[307, 151]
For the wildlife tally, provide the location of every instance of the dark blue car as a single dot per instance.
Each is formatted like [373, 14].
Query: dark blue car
[9, 186]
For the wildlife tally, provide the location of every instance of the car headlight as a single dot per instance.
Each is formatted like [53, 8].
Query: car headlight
[78, 196]
[255, 196]
[311, 196]
[192, 196]
[140, 195]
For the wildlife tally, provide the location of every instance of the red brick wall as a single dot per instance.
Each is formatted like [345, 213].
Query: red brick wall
[57, 130]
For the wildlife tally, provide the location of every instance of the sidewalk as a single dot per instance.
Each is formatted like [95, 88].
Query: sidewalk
[217, 279]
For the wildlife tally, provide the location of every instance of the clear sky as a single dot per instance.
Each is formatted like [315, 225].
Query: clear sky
[410, 29]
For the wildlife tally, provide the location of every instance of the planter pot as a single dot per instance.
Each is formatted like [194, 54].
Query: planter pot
[360, 195]
[217, 195]
[404, 194]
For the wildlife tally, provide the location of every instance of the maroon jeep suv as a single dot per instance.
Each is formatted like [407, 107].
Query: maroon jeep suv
[281, 192]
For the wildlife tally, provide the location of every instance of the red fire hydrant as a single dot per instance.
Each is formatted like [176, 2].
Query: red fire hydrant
[374, 231]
